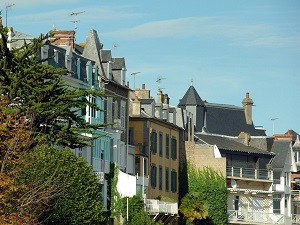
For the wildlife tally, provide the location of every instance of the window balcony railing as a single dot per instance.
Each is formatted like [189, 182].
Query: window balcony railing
[249, 173]
[295, 218]
[235, 216]
[154, 206]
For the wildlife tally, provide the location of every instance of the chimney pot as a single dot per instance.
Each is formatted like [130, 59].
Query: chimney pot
[136, 98]
[143, 86]
[247, 95]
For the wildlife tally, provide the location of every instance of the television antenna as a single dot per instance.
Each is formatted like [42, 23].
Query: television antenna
[6, 9]
[159, 79]
[76, 20]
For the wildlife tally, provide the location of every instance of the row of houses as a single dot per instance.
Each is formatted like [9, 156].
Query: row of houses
[151, 141]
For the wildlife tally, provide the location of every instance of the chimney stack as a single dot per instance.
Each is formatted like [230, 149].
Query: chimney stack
[63, 38]
[247, 104]
[160, 97]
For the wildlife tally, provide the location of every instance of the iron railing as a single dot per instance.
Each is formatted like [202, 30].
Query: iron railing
[255, 217]
[249, 173]
[295, 218]
[154, 206]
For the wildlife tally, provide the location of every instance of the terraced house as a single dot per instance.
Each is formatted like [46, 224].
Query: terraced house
[157, 152]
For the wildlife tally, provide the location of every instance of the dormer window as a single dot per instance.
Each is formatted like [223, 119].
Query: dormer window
[55, 54]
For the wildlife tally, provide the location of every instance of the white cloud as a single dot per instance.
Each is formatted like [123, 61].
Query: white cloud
[209, 28]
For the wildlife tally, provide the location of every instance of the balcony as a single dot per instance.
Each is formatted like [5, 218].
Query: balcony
[249, 173]
[295, 195]
[295, 218]
[154, 207]
[237, 217]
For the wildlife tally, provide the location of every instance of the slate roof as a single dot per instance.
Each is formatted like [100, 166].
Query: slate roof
[280, 148]
[228, 120]
[227, 143]
[146, 100]
[220, 119]
[118, 63]
[19, 39]
[296, 145]
[105, 55]
[293, 133]
[191, 97]
[92, 47]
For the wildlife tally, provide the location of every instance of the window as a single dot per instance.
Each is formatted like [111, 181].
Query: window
[160, 144]
[167, 145]
[153, 176]
[276, 203]
[174, 148]
[123, 114]
[83, 111]
[167, 179]
[116, 110]
[93, 110]
[130, 136]
[173, 181]
[236, 202]
[153, 142]
[109, 110]
[160, 178]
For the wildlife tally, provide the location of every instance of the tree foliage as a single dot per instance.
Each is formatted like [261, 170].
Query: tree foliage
[37, 110]
[136, 212]
[38, 92]
[212, 184]
[194, 207]
[64, 182]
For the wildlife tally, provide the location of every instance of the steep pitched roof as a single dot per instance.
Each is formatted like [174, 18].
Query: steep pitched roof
[92, 47]
[118, 64]
[228, 120]
[280, 148]
[191, 97]
[227, 143]
[105, 55]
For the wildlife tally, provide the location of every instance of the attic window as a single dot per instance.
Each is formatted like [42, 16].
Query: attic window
[55, 53]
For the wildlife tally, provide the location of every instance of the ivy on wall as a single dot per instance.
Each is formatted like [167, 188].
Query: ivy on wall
[212, 184]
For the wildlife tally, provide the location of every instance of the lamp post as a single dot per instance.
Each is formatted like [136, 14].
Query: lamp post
[6, 9]
[133, 74]
[273, 119]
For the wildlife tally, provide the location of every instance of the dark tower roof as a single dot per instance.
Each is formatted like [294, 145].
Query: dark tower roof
[191, 97]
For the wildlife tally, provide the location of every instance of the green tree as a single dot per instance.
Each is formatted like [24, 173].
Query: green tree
[194, 207]
[212, 184]
[65, 183]
[38, 92]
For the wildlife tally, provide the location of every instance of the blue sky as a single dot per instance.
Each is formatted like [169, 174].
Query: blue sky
[227, 48]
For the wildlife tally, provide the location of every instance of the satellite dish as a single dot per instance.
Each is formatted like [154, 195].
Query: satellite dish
[233, 183]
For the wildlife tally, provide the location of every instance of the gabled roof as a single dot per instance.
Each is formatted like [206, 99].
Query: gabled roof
[228, 143]
[118, 63]
[280, 148]
[105, 55]
[191, 97]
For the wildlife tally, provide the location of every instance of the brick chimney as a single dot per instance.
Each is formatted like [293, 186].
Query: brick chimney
[135, 109]
[64, 38]
[247, 104]
[160, 97]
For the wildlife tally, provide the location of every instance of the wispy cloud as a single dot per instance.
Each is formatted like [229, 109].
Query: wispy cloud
[209, 28]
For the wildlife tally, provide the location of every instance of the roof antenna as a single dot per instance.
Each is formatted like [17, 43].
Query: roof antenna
[159, 79]
[76, 20]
